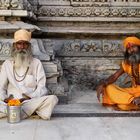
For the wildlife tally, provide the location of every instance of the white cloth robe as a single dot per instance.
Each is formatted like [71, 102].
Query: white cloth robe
[34, 86]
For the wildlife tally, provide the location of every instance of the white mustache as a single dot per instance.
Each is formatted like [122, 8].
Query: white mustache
[21, 51]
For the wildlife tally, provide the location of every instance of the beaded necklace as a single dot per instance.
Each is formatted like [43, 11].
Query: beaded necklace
[17, 76]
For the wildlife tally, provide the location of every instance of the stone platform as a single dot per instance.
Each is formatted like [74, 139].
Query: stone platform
[90, 110]
[85, 104]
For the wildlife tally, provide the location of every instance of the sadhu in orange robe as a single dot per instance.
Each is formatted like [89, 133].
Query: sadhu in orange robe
[122, 97]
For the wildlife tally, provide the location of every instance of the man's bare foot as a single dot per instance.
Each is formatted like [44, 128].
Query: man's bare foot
[136, 101]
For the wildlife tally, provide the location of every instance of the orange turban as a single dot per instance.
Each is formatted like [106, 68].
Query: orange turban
[22, 34]
[131, 40]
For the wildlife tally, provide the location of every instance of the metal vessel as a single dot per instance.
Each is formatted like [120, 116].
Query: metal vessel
[13, 114]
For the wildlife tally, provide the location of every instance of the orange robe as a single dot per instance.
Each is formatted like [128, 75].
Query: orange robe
[122, 97]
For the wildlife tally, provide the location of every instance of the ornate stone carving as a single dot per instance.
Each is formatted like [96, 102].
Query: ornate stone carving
[100, 2]
[132, 12]
[123, 12]
[91, 48]
[112, 48]
[11, 4]
[18, 5]
[56, 11]
[89, 2]
[75, 46]
[115, 12]
[32, 9]
[106, 12]
[70, 12]
[5, 50]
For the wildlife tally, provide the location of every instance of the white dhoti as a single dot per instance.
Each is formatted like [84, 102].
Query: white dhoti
[3, 109]
[42, 106]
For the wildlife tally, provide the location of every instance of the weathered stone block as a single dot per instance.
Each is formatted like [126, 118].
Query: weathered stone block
[20, 13]
[50, 67]
[51, 80]
[5, 13]
[87, 72]
[51, 72]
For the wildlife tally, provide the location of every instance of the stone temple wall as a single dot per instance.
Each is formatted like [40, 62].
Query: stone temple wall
[87, 35]
[78, 41]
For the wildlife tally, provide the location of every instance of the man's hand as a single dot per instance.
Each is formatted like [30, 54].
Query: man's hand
[9, 98]
[136, 101]
[100, 91]
[25, 97]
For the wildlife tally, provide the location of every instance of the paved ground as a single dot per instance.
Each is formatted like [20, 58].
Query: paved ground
[91, 128]
[78, 96]
[85, 103]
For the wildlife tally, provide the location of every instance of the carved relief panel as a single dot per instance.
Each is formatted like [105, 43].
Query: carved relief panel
[91, 48]
[5, 49]
[90, 8]
[56, 11]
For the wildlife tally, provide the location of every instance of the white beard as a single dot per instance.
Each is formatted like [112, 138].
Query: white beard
[22, 60]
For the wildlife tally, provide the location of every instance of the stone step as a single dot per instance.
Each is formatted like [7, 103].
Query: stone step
[8, 27]
[63, 99]
[90, 110]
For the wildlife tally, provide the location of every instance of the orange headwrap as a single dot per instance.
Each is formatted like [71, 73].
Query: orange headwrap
[131, 40]
[22, 34]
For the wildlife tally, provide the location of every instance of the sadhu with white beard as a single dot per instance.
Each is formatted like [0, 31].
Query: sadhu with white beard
[22, 77]
[124, 98]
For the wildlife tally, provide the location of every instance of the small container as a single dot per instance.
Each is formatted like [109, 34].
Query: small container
[13, 114]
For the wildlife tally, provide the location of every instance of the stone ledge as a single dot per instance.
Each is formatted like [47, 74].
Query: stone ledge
[88, 30]
[89, 19]
[90, 110]
[53, 2]
[63, 99]
[21, 13]
[11, 27]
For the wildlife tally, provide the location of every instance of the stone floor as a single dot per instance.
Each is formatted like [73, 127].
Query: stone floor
[82, 119]
[75, 128]
[87, 96]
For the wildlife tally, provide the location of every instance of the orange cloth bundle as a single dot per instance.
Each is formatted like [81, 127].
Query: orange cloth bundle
[14, 102]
